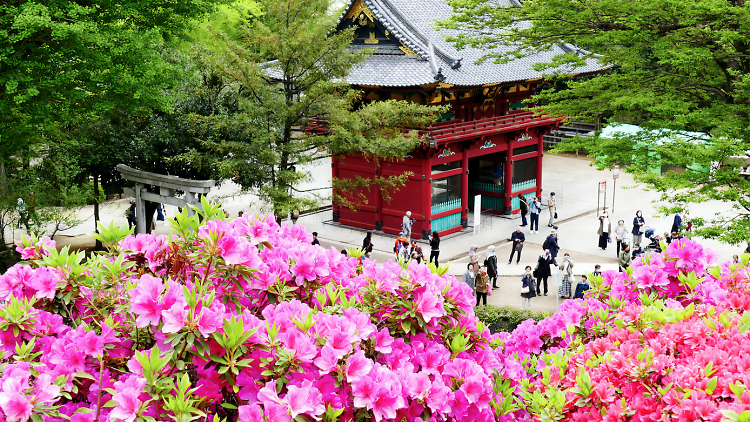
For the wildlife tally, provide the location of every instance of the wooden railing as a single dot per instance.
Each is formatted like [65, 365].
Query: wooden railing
[465, 130]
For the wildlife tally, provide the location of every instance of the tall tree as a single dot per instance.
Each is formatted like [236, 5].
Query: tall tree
[675, 64]
[65, 62]
[258, 140]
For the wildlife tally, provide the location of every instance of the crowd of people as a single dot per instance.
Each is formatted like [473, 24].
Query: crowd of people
[481, 275]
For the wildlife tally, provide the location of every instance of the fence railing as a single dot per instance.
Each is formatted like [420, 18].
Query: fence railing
[485, 186]
[447, 205]
[447, 222]
[517, 187]
[489, 202]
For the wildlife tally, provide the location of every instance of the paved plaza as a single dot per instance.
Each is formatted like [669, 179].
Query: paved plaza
[573, 180]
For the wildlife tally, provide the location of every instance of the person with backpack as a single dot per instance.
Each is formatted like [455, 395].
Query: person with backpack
[534, 209]
[480, 287]
[435, 247]
[551, 245]
[543, 272]
[490, 263]
[524, 205]
[367, 244]
[399, 241]
[527, 289]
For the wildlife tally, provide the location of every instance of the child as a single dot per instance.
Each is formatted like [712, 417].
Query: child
[582, 287]
[597, 270]
[528, 284]
[480, 288]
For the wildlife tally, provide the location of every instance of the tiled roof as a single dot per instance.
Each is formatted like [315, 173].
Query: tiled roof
[412, 23]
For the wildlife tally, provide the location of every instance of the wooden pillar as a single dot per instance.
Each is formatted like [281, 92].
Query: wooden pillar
[465, 188]
[140, 210]
[539, 159]
[335, 175]
[426, 196]
[508, 176]
[378, 199]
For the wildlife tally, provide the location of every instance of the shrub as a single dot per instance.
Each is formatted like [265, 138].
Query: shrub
[505, 318]
[242, 320]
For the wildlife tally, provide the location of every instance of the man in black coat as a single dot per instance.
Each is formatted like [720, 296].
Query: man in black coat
[524, 205]
[552, 246]
[517, 239]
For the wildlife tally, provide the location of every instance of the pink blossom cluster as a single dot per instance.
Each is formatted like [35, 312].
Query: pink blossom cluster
[264, 325]
[247, 321]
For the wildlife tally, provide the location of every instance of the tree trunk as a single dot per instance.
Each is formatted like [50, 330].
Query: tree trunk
[99, 245]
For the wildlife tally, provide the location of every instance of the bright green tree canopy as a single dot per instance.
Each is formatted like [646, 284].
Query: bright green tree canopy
[66, 61]
[675, 64]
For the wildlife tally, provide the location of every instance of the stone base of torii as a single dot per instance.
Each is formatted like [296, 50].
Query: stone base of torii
[168, 187]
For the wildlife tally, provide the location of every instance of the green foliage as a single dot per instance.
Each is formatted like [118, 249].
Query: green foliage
[674, 64]
[251, 134]
[65, 62]
[494, 316]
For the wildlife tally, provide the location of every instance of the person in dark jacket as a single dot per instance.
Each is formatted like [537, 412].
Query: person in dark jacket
[491, 264]
[677, 224]
[516, 239]
[524, 205]
[581, 287]
[367, 244]
[639, 227]
[315, 238]
[527, 281]
[552, 245]
[435, 247]
[543, 272]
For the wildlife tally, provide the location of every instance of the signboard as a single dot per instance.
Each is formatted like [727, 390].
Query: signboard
[616, 172]
[603, 187]
[477, 212]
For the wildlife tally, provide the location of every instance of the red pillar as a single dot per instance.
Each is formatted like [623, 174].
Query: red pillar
[426, 196]
[378, 200]
[539, 158]
[335, 175]
[465, 188]
[508, 176]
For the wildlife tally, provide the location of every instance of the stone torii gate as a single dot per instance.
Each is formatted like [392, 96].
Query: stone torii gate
[168, 186]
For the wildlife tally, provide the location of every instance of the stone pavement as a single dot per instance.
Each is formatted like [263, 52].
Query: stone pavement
[573, 179]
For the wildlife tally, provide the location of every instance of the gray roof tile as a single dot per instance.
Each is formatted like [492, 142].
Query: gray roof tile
[412, 23]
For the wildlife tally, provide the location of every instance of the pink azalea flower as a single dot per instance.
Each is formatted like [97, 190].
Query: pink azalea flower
[251, 413]
[145, 301]
[128, 403]
[300, 344]
[304, 400]
[327, 361]
[16, 406]
[174, 318]
[357, 366]
[430, 305]
[383, 341]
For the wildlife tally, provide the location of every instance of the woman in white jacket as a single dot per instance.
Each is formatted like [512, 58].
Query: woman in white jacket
[621, 235]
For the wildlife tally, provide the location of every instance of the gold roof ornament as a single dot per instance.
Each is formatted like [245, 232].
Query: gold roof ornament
[372, 39]
[361, 8]
[408, 51]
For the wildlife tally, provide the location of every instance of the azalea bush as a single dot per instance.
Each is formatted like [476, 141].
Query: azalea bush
[242, 320]
[247, 321]
[666, 340]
